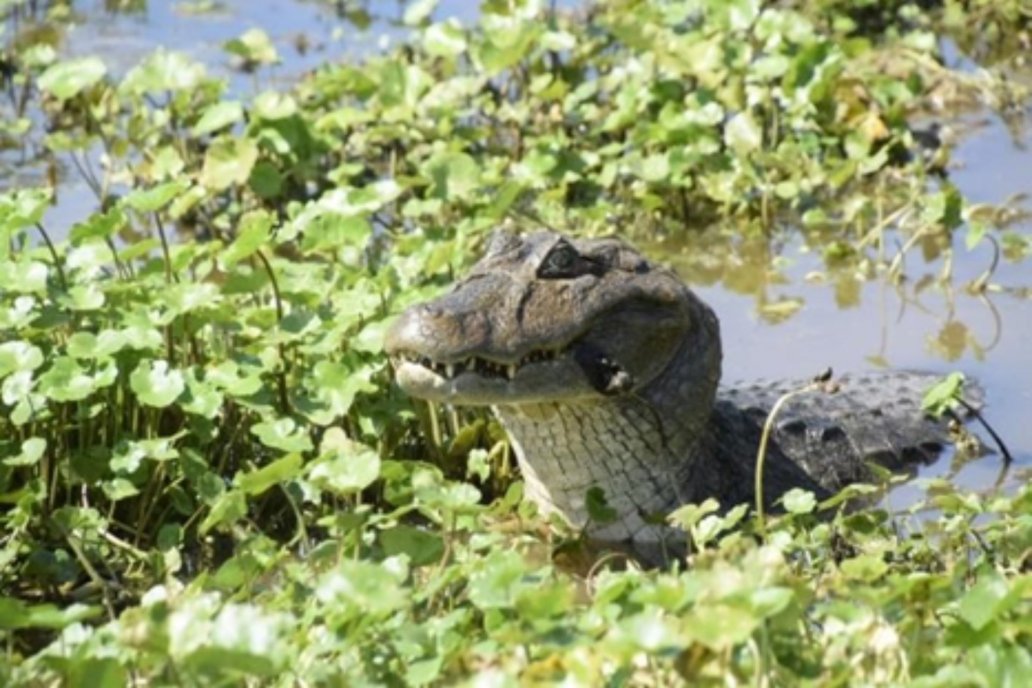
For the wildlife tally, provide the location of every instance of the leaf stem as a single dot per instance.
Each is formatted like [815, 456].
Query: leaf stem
[54, 256]
[281, 376]
[761, 453]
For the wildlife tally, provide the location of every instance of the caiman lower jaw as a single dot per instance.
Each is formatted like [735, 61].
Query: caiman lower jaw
[578, 371]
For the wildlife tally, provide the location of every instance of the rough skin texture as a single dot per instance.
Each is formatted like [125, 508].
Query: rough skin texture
[604, 369]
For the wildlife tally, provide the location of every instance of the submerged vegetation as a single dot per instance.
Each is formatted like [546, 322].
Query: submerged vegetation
[206, 476]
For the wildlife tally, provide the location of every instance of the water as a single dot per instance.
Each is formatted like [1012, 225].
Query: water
[892, 326]
[987, 337]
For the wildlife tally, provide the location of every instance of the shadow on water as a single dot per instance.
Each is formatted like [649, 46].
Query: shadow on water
[790, 322]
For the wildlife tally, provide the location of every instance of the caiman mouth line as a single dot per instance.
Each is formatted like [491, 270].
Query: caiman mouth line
[479, 366]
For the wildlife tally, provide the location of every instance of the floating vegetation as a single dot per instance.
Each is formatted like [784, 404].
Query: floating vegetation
[205, 474]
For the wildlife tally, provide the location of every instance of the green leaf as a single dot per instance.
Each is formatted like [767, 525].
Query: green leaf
[418, 11]
[799, 501]
[17, 356]
[333, 232]
[166, 163]
[944, 207]
[24, 277]
[497, 580]
[163, 71]
[156, 385]
[85, 297]
[283, 434]
[266, 180]
[156, 197]
[22, 208]
[344, 466]
[229, 507]
[31, 452]
[720, 627]
[65, 380]
[219, 116]
[445, 39]
[256, 482]
[975, 233]
[688, 515]
[421, 546]
[980, 605]
[254, 231]
[943, 395]
[364, 590]
[598, 506]
[505, 41]
[767, 602]
[866, 567]
[190, 296]
[118, 489]
[655, 168]
[15, 613]
[253, 47]
[202, 398]
[742, 134]
[453, 176]
[1001, 664]
[69, 78]
[273, 105]
[336, 385]
[228, 162]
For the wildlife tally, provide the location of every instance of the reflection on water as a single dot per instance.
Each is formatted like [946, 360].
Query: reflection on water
[791, 320]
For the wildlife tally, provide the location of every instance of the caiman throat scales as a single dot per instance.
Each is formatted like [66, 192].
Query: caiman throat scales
[604, 369]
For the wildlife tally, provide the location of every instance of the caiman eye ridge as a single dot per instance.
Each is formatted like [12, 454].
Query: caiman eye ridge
[480, 366]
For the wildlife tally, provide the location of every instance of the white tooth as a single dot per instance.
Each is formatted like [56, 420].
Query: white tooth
[449, 370]
[510, 370]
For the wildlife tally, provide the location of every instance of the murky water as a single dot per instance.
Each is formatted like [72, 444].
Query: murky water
[987, 337]
[849, 326]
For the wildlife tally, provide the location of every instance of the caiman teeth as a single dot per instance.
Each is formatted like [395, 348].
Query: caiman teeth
[480, 366]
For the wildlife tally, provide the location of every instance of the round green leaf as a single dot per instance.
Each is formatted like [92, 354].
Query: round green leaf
[31, 451]
[344, 466]
[282, 434]
[219, 116]
[228, 162]
[66, 381]
[156, 385]
[67, 79]
[156, 197]
[19, 355]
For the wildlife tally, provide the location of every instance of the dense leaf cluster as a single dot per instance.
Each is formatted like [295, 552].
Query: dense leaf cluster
[206, 476]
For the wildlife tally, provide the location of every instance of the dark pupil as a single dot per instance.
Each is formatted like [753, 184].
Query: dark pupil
[562, 258]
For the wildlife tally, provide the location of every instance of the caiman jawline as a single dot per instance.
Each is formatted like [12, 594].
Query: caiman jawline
[478, 365]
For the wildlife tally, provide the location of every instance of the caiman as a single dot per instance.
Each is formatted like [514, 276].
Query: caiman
[604, 369]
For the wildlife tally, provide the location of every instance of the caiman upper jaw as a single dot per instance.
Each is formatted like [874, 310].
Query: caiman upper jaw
[475, 364]
[543, 318]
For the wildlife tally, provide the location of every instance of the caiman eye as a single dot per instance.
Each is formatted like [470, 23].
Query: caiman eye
[560, 262]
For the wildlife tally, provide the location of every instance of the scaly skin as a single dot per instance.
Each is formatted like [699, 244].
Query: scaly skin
[604, 370]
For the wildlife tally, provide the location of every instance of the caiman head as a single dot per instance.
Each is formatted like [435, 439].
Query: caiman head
[547, 318]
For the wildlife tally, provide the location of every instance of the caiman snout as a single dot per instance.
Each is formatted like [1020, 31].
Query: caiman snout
[437, 332]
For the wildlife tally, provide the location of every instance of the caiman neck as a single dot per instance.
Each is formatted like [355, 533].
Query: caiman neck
[648, 451]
